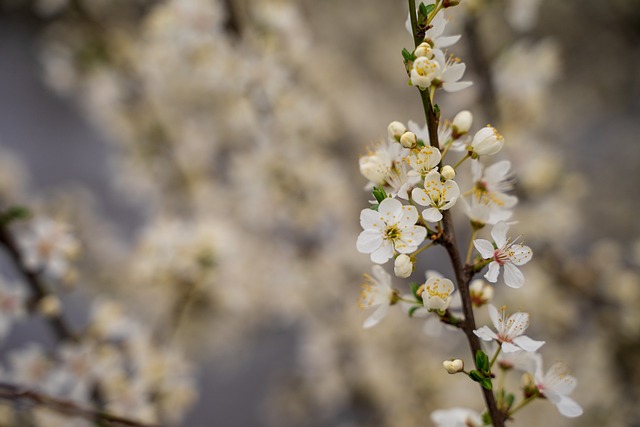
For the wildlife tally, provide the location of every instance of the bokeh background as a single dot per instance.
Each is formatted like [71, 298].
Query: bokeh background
[205, 153]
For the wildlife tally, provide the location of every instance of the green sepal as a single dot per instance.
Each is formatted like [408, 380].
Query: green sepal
[423, 13]
[379, 194]
[420, 143]
[408, 56]
[486, 383]
[413, 309]
[476, 376]
[14, 213]
[509, 399]
[482, 362]
[375, 207]
[486, 419]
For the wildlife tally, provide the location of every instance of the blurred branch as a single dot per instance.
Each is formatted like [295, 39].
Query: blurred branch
[38, 287]
[16, 393]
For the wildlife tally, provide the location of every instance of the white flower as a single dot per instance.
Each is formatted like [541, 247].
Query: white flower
[377, 292]
[509, 331]
[450, 71]
[403, 266]
[438, 195]
[486, 141]
[482, 213]
[387, 167]
[481, 292]
[462, 122]
[456, 417]
[391, 228]
[491, 184]
[424, 161]
[48, 245]
[505, 253]
[556, 385]
[424, 71]
[437, 293]
[434, 33]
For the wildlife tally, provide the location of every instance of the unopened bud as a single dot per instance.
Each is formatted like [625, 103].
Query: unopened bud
[49, 306]
[462, 123]
[395, 130]
[408, 140]
[424, 49]
[481, 292]
[403, 267]
[450, 3]
[453, 366]
[448, 172]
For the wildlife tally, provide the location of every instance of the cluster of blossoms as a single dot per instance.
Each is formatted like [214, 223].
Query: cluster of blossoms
[410, 171]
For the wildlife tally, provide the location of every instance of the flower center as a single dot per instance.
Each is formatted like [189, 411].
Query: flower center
[392, 233]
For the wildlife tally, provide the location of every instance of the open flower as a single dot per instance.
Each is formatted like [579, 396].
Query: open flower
[491, 184]
[424, 161]
[390, 228]
[504, 253]
[449, 72]
[509, 331]
[456, 417]
[377, 292]
[437, 293]
[424, 71]
[556, 385]
[386, 167]
[438, 195]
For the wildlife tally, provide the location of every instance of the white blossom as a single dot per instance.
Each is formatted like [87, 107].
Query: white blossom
[388, 230]
[487, 141]
[510, 330]
[482, 213]
[424, 161]
[437, 195]
[449, 71]
[376, 292]
[504, 253]
[434, 33]
[403, 266]
[386, 167]
[456, 417]
[556, 385]
[491, 183]
[436, 293]
[425, 71]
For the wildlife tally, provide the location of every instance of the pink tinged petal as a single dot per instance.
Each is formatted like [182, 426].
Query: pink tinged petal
[492, 274]
[420, 197]
[368, 241]
[527, 344]
[453, 73]
[456, 86]
[391, 211]
[376, 316]
[512, 276]
[383, 254]
[499, 233]
[507, 347]
[371, 219]
[568, 407]
[486, 334]
[448, 41]
[432, 215]
[520, 254]
[485, 248]
[409, 216]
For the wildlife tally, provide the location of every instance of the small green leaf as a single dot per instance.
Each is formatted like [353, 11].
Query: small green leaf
[486, 383]
[420, 143]
[413, 310]
[436, 110]
[476, 376]
[379, 194]
[482, 361]
[14, 213]
[509, 400]
[486, 419]
[408, 56]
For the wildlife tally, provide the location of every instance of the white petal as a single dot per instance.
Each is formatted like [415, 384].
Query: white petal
[456, 86]
[568, 407]
[494, 316]
[486, 334]
[507, 347]
[381, 276]
[409, 216]
[433, 327]
[383, 254]
[391, 210]
[453, 73]
[368, 241]
[527, 344]
[432, 215]
[411, 238]
[371, 219]
[497, 172]
[448, 41]
[520, 254]
[492, 273]
[485, 248]
[512, 276]
[419, 196]
[499, 233]
[376, 316]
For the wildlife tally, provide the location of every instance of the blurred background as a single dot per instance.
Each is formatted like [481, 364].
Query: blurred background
[204, 154]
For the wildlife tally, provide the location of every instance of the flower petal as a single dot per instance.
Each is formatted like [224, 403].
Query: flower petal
[485, 248]
[527, 344]
[455, 86]
[492, 273]
[513, 277]
[371, 219]
[383, 254]
[419, 196]
[499, 234]
[507, 347]
[568, 407]
[409, 216]
[391, 211]
[376, 316]
[486, 334]
[448, 41]
[520, 255]
[432, 215]
[368, 241]
[494, 315]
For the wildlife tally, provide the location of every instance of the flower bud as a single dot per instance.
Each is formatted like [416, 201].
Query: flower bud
[408, 140]
[448, 172]
[403, 266]
[373, 168]
[462, 123]
[486, 141]
[395, 130]
[481, 292]
[424, 49]
[49, 306]
[453, 366]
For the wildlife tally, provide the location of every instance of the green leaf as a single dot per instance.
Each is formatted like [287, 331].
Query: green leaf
[14, 213]
[486, 419]
[509, 400]
[413, 310]
[414, 290]
[420, 143]
[486, 383]
[379, 194]
[476, 376]
[482, 361]
[408, 56]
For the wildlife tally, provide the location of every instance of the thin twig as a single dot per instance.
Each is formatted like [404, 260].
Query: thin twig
[16, 393]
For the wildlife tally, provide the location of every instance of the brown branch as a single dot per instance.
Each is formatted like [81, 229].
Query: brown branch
[16, 393]
[38, 287]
